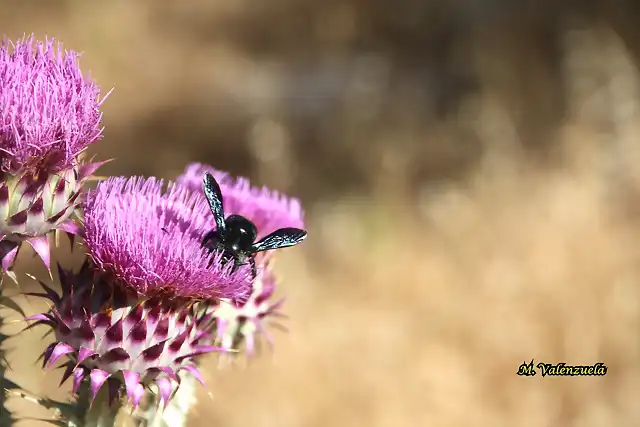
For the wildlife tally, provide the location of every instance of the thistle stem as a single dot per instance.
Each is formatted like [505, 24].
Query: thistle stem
[99, 413]
[5, 415]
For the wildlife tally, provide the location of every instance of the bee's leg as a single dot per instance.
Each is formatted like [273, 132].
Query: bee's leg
[252, 262]
[208, 236]
[211, 240]
[228, 257]
[236, 259]
[213, 244]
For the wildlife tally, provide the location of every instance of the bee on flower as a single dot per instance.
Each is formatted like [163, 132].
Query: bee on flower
[241, 321]
[133, 315]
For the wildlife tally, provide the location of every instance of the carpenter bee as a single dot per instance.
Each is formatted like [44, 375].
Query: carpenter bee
[235, 235]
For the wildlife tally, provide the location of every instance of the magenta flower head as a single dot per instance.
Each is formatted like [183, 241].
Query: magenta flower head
[49, 114]
[136, 314]
[150, 240]
[240, 321]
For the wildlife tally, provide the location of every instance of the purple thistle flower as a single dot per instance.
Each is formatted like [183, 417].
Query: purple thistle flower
[136, 314]
[267, 209]
[49, 114]
[111, 336]
[50, 111]
[150, 240]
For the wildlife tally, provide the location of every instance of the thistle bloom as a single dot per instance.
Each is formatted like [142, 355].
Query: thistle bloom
[150, 240]
[134, 314]
[241, 320]
[49, 114]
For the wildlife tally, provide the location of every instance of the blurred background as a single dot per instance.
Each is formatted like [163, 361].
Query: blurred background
[469, 173]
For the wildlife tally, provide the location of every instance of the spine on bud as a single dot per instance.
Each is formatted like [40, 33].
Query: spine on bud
[177, 411]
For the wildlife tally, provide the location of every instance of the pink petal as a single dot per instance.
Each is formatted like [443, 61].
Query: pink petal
[41, 246]
[46, 354]
[87, 169]
[72, 229]
[195, 373]
[83, 354]
[250, 343]
[137, 395]
[41, 316]
[98, 377]
[9, 257]
[170, 373]
[58, 351]
[39, 321]
[165, 389]
[201, 349]
[78, 376]
[131, 381]
[222, 326]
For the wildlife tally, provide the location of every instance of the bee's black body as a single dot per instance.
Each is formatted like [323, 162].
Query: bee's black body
[235, 243]
[235, 236]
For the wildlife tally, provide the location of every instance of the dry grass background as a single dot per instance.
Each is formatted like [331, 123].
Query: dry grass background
[471, 185]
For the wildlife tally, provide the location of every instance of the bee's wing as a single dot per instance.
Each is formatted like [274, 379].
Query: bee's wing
[214, 197]
[281, 238]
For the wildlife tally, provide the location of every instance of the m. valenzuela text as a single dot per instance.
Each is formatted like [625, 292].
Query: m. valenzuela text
[562, 369]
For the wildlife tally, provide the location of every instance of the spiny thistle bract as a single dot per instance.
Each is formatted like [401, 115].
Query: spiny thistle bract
[130, 341]
[134, 315]
[240, 320]
[49, 114]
